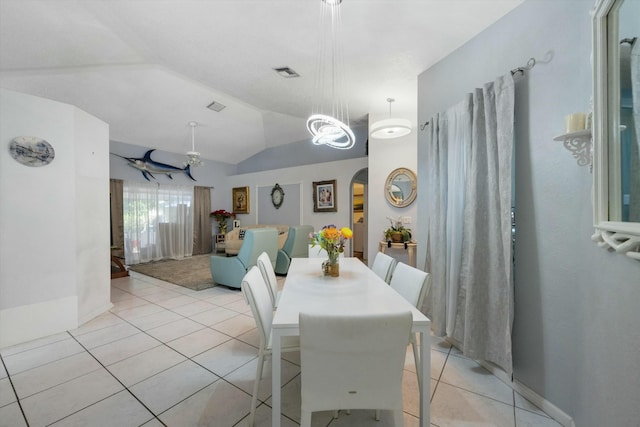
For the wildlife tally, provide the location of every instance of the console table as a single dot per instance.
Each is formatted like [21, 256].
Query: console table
[411, 249]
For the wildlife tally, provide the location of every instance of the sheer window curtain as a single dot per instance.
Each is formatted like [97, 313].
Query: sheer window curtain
[158, 222]
[469, 223]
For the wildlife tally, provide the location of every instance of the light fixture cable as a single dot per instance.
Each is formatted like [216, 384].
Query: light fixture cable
[193, 157]
[329, 122]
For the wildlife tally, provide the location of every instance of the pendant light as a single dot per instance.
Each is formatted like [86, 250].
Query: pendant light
[193, 157]
[329, 122]
[390, 128]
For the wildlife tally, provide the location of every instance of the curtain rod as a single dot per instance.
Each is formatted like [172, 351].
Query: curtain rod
[530, 64]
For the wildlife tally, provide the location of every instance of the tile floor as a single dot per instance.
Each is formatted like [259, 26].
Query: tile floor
[167, 355]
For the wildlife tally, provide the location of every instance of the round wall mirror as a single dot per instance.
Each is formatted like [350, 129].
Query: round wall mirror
[401, 187]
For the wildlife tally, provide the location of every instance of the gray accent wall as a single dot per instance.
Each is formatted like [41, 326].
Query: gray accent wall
[304, 152]
[576, 331]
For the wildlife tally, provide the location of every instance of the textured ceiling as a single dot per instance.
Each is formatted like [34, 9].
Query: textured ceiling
[148, 67]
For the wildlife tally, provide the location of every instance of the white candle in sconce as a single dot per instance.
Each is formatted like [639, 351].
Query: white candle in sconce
[574, 122]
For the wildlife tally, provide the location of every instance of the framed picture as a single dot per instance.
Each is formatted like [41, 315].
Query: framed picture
[325, 196]
[241, 200]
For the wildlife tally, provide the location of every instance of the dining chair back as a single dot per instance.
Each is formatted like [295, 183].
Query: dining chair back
[256, 294]
[413, 284]
[383, 266]
[353, 362]
[269, 276]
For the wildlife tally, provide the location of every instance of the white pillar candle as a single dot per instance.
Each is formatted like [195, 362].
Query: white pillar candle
[574, 122]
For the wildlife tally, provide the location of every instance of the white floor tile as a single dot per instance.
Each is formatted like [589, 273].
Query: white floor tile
[121, 409]
[106, 335]
[213, 316]
[177, 301]
[140, 311]
[469, 375]
[65, 399]
[244, 377]
[235, 326]
[30, 345]
[11, 416]
[530, 419]
[219, 404]
[226, 357]
[161, 295]
[127, 303]
[41, 355]
[193, 308]
[3, 372]
[7, 395]
[52, 374]
[197, 342]
[141, 366]
[116, 351]
[263, 419]
[164, 390]
[174, 330]
[103, 321]
[240, 306]
[452, 406]
[155, 319]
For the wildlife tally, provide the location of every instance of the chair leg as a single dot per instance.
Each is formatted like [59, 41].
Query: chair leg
[416, 357]
[305, 419]
[256, 384]
[377, 414]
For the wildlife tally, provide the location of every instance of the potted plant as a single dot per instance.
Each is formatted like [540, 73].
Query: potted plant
[397, 232]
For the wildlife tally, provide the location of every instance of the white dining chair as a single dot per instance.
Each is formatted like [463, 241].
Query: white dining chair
[257, 295]
[269, 276]
[383, 266]
[413, 284]
[353, 362]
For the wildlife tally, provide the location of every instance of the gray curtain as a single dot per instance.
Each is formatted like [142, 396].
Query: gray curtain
[201, 220]
[469, 238]
[117, 228]
[634, 174]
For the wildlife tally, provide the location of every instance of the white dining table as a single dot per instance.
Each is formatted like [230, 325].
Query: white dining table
[357, 291]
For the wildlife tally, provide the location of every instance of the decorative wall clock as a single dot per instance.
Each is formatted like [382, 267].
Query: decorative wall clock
[277, 196]
[31, 151]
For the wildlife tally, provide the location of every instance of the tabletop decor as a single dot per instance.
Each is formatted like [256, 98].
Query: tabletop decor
[221, 217]
[332, 240]
[397, 232]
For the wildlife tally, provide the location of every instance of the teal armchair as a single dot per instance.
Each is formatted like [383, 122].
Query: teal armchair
[229, 271]
[296, 246]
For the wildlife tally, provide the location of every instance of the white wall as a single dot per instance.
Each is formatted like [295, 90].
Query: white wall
[576, 340]
[50, 277]
[385, 155]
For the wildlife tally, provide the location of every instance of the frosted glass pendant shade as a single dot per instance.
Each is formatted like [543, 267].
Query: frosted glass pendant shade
[390, 128]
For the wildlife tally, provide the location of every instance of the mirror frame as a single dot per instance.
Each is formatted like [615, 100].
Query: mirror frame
[622, 237]
[414, 187]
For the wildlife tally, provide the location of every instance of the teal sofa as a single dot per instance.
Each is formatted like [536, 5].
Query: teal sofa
[296, 246]
[229, 271]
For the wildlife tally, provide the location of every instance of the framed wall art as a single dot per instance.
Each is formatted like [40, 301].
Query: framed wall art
[325, 196]
[241, 200]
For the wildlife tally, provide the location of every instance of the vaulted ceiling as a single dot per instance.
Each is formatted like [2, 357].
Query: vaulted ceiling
[148, 67]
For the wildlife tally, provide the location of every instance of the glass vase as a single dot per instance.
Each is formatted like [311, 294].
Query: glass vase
[331, 267]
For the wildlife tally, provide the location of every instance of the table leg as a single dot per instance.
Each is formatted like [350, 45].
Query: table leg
[425, 376]
[275, 380]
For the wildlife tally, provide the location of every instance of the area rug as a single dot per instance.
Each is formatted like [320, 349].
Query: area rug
[193, 272]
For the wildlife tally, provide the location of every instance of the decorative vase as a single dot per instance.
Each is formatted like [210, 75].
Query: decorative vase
[396, 237]
[222, 225]
[331, 267]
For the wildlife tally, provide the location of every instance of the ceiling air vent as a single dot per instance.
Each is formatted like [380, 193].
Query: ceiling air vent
[216, 106]
[286, 72]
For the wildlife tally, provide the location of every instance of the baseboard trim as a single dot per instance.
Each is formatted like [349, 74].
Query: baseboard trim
[549, 408]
